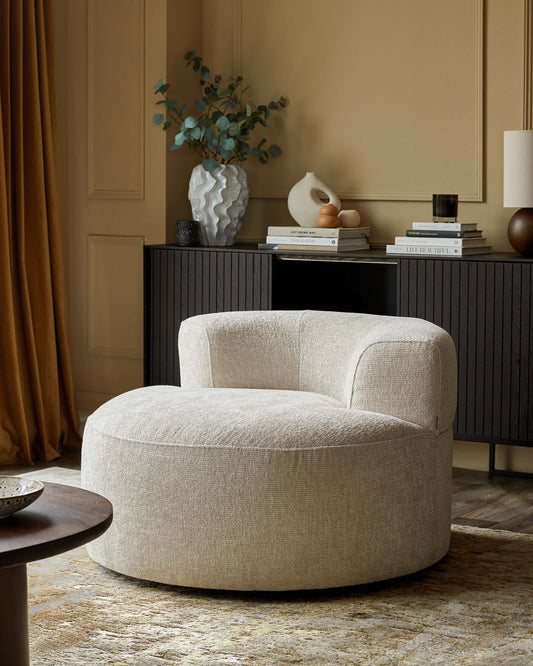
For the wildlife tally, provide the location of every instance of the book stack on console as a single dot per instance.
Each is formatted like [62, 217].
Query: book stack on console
[445, 239]
[317, 239]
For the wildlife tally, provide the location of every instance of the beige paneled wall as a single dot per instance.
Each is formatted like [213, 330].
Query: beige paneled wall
[389, 101]
[184, 33]
[364, 113]
[112, 51]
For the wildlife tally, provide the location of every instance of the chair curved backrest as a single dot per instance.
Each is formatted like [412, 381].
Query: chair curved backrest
[401, 366]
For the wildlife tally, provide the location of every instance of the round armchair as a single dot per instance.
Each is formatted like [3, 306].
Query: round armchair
[303, 450]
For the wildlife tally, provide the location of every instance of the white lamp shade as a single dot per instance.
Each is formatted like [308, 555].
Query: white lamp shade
[518, 169]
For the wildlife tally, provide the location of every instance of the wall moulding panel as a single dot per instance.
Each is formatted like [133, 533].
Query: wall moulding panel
[528, 64]
[115, 298]
[393, 112]
[115, 99]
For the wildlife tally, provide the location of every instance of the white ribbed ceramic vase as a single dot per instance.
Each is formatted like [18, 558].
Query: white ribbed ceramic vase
[218, 201]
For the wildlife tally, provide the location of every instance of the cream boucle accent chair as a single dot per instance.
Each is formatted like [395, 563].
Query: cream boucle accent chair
[304, 450]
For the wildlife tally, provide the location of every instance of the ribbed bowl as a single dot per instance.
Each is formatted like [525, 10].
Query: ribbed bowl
[17, 493]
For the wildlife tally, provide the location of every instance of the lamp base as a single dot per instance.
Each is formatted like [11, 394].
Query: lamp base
[520, 232]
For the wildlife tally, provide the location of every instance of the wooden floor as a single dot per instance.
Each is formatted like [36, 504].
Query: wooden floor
[479, 500]
[496, 502]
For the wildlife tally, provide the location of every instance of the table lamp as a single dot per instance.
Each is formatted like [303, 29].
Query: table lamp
[518, 188]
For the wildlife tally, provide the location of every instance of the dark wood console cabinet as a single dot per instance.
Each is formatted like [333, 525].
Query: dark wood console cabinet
[483, 301]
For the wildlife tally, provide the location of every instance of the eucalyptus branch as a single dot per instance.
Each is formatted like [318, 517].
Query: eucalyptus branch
[221, 131]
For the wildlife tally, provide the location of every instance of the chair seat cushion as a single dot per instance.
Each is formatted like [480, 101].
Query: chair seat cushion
[242, 418]
[248, 489]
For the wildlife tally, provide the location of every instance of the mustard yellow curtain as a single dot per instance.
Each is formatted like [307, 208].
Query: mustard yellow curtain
[37, 412]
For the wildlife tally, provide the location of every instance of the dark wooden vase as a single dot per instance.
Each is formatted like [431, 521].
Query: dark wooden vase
[520, 232]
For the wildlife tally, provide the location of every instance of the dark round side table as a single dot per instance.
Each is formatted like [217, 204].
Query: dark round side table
[61, 519]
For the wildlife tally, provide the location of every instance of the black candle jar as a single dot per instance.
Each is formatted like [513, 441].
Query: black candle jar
[187, 233]
[445, 207]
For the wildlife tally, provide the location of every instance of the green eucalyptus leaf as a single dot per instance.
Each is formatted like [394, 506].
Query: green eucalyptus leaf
[274, 150]
[261, 143]
[227, 144]
[263, 158]
[223, 91]
[205, 122]
[223, 123]
[216, 115]
[182, 110]
[190, 122]
[158, 118]
[218, 78]
[167, 124]
[256, 152]
[248, 110]
[196, 133]
[211, 138]
[201, 105]
[173, 147]
[209, 164]
[158, 85]
[180, 139]
[234, 129]
[171, 104]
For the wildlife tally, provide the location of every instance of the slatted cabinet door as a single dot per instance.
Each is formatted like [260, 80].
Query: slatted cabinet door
[486, 307]
[181, 283]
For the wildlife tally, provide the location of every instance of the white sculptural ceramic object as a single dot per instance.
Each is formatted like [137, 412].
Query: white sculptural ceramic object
[218, 201]
[304, 201]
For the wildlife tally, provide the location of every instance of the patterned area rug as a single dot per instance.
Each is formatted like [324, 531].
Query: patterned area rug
[473, 607]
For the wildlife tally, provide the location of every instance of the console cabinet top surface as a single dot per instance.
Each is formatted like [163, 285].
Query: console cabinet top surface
[375, 254]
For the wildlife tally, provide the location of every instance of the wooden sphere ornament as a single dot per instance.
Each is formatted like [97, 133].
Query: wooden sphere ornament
[328, 216]
[349, 218]
[520, 232]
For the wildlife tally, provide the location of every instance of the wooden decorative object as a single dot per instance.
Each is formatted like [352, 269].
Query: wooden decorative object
[520, 232]
[328, 216]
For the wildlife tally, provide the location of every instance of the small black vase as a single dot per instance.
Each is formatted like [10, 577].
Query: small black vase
[187, 233]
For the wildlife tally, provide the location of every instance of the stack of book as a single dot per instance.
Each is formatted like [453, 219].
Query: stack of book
[453, 239]
[317, 239]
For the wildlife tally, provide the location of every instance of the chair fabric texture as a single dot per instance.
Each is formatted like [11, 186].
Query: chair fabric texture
[303, 450]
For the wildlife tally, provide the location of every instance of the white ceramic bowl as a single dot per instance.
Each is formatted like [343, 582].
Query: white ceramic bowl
[17, 493]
